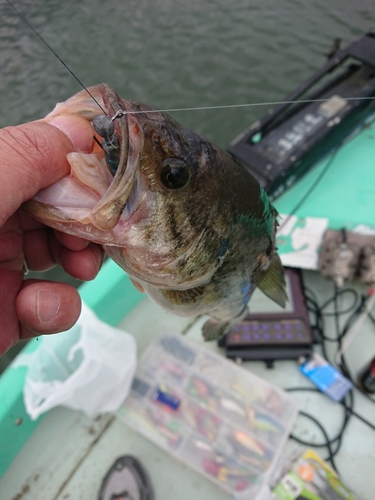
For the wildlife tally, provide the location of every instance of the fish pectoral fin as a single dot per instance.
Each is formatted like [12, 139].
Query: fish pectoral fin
[213, 329]
[272, 282]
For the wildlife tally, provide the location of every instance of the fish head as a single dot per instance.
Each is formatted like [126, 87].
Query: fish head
[152, 197]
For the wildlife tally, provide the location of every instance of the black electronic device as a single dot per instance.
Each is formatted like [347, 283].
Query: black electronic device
[314, 120]
[277, 334]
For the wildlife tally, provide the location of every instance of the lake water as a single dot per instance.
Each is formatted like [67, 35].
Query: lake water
[171, 54]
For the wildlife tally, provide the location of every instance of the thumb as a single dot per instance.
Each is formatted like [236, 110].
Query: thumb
[33, 156]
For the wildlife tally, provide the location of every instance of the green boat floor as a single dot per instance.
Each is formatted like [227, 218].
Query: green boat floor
[68, 454]
[346, 193]
[64, 455]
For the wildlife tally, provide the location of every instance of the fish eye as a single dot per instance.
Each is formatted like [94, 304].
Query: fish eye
[175, 173]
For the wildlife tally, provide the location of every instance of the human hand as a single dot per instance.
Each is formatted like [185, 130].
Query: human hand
[32, 157]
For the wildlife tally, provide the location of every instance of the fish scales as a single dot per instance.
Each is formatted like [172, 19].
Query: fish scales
[188, 223]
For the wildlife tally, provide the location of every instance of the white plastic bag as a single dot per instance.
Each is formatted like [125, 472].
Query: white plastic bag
[90, 368]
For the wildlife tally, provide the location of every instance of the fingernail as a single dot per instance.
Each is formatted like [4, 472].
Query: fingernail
[47, 306]
[77, 129]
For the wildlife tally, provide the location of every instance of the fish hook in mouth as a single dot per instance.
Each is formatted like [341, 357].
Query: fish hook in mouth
[108, 210]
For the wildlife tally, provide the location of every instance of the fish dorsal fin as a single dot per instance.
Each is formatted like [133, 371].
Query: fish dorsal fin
[272, 281]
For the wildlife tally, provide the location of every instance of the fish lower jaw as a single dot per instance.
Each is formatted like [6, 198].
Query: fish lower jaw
[157, 274]
[164, 283]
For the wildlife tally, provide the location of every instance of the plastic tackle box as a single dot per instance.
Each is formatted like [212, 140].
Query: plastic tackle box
[210, 413]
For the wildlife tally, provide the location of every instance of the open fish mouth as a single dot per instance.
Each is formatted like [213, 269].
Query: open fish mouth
[128, 137]
[105, 199]
[125, 143]
[135, 192]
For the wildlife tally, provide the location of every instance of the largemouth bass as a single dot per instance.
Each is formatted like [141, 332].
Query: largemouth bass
[189, 224]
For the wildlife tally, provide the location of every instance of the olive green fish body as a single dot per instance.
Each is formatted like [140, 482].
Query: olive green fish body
[188, 223]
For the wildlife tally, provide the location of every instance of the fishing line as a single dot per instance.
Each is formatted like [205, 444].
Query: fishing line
[170, 110]
[218, 107]
[254, 104]
[53, 52]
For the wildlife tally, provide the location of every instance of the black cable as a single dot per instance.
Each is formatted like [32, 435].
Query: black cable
[318, 312]
[314, 389]
[327, 443]
[354, 316]
[334, 298]
[362, 419]
[318, 325]
[314, 184]
[338, 438]
[319, 315]
[336, 313]
[361, 391]
[330, 160]
[347, 416]
[339, 335]
[343, 365]
[333, 445]
[311, 292]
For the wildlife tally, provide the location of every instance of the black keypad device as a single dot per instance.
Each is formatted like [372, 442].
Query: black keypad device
[278, 335]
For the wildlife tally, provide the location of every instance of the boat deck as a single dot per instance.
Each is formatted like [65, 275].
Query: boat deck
[64, 455]
[68, 454]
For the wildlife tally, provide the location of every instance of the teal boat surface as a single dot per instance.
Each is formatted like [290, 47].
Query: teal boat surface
[346, 196]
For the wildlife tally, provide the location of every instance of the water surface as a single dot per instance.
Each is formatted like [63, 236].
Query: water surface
[171, 54]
